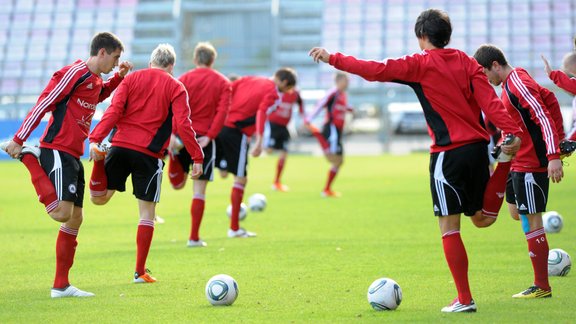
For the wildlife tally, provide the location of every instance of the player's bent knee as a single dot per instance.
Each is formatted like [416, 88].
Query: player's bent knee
[99, 200]
[60, 215]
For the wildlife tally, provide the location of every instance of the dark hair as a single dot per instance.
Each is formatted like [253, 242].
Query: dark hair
[105, 40]
[488, 53]
[286, 74]
[435, 24]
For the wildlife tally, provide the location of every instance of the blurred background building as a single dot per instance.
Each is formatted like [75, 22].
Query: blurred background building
[37, 37]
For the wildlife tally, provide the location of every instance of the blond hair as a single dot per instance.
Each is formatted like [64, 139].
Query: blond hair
[204, 54]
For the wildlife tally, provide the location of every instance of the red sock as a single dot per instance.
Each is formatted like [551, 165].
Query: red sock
[457, 259]
[143, 242]
[331, 176]
[236, 199]
[538, 247]
[323, 142]
[98, 180]
[65, 249]
[196, 211]
[279, 169]
[42, 184]
[496, 190]
[176, 172]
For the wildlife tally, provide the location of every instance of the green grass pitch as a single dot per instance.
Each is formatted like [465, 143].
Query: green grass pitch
[312, 261]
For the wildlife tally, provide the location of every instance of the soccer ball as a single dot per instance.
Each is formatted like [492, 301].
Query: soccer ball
[243, 211]
[257, 202]
[221, 290]
[559, 263]
[552, 222]
[384, 294]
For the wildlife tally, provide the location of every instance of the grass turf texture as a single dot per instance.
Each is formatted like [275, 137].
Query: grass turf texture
[313, 260]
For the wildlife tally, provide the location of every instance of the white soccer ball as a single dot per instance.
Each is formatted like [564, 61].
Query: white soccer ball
[221, 290]
[243, 211]
[552, 222]
[257, 202]
[559, 263]
[384, 294]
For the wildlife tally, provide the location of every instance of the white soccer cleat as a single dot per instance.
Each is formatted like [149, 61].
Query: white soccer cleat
[34, 150]
[240, 233]
[4, 145]
[159, 220]
[69, 291]
[456, 307]
[199, 243]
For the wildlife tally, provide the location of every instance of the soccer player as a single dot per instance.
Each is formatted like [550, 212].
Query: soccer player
[537, 112]
[252, 97]
[452, 91]
[143, 121]
[209, 100]
[55, 167]
[336, 105]
[276, 134]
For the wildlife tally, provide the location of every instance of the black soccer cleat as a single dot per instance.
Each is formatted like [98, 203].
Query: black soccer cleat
[497, 151]
[567, 147]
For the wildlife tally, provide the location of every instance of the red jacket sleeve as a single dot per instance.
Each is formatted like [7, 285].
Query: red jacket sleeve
[109, 86]
[221, 110]
[269, 100]
[563, 81]
[401, 69]
[181, 111]
[59, 86]
[489, 102]
[527, 93]
[551, 102]
[112, 114]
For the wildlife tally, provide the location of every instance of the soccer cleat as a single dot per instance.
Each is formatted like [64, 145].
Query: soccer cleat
[240, 233]
[456, 307]
[34, 150]
[4, 145]
[567, 147]
[330, 194]
[159, 220]
[145, 278]
[69, 291]
[280, 187]
[497, 151]
[199, 243]
[100, 149]
[534, 292]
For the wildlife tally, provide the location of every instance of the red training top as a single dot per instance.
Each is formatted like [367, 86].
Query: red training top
[452, 90]
[209, 99]
[522, 98]
[71, 95]
[142, 110]
[336, 104]
[252, 97]
[282, 113]
[563, 81]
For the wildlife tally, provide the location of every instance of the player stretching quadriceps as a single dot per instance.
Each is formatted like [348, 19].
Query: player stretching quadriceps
[537, 112]
[453, 91]
[252, 97]
[276, 134]
[330, 139]
[55, 168]
[209, 100]
[142, 120]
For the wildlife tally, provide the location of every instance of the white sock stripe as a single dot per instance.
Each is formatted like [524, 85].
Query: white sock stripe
[145, 222]
[451, 233]
[67, 230]
[200, 196]
[535, 233]
[238, 186]
[52, 206]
